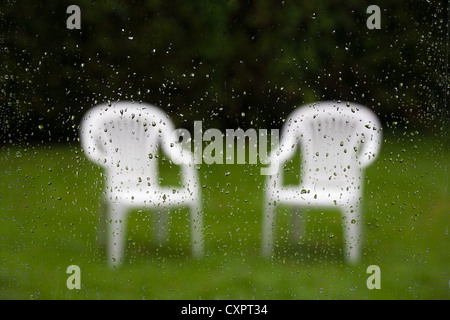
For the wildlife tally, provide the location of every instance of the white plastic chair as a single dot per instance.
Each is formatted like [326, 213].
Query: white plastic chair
[124, 138]
[337, 141]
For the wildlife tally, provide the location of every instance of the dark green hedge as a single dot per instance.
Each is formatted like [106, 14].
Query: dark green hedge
[228, 63]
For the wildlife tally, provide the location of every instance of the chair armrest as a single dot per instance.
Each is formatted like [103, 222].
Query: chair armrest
[90, 138]
[371, 145]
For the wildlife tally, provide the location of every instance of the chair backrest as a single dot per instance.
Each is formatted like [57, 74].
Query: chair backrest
[125, 138]
[337, 140]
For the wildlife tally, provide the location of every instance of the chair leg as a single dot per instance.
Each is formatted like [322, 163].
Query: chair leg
[101, 226]
[116, 233]
[352, 233]
[197, 230]
[297, 224]
[161, 225]
[267, 232]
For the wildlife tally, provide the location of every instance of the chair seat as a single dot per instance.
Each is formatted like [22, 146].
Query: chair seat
[311, 195]
[151, 196]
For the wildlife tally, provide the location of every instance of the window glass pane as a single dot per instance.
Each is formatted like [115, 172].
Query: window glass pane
[212, 69]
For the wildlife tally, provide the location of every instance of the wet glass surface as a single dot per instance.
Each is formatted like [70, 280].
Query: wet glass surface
[230, 66]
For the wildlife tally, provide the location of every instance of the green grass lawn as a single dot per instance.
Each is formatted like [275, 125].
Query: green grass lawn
[51, 218]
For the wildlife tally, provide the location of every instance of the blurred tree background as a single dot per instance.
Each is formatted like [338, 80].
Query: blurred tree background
[229, 63]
